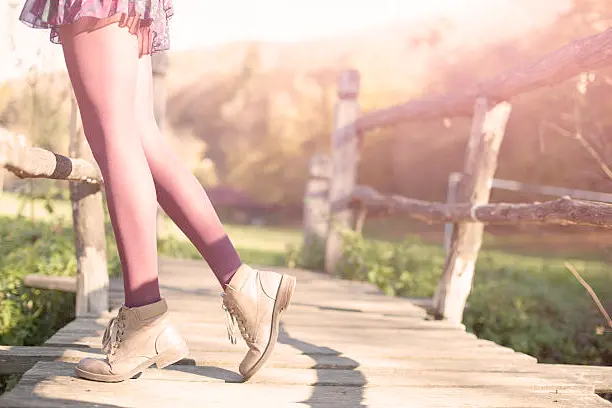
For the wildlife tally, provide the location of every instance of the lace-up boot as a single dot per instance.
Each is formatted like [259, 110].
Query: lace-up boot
[133, 341]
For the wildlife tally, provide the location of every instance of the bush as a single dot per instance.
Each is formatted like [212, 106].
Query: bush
[29, 316]
[405, 269]
[530, 304]
[310, 256]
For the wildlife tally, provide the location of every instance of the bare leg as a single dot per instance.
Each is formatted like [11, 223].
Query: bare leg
[103, 66]
[178, 191]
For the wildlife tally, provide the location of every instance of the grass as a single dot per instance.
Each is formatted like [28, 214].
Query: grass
[257, 245]
[11, 204]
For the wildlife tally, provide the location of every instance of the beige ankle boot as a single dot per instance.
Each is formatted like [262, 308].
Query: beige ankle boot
[254, 301]
[133, 341]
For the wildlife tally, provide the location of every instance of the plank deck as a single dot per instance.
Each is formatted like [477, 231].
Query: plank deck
[342, 345]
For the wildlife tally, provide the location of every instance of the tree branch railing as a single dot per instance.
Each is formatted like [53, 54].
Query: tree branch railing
[34, 162]
[584, 54]
[91, 282]
[329, 207]
[563, 211]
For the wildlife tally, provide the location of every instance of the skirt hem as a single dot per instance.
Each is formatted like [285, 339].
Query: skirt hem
[153, 23]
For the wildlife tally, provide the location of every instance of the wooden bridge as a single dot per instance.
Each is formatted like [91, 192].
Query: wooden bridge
[343, 345]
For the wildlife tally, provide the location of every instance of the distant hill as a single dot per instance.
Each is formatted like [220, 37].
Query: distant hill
[398, 62]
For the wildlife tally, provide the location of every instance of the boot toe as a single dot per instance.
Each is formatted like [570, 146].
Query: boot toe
[249, 362]
[94, 366]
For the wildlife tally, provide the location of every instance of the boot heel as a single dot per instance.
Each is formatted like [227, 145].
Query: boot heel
[285, 292]
[172, 356]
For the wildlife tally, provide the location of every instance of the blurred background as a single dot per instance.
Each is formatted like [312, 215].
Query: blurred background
[251, 88]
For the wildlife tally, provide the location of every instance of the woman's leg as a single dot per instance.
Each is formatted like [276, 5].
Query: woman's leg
[103, 66]
[254, 298]
[178, 191]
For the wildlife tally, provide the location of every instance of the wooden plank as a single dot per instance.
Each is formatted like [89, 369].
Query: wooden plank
[489, 126]
[361, 377]
[344, 165]
[45, 386]
[17, 360]
[216, 327]
[61, 283]
[88, 332]
[599, 376]
[338, 342]
[303, 321]
[287, 349]
[237, 395]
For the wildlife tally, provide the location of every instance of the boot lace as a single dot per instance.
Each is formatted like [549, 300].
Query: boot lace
[235, 323]
[113, 334]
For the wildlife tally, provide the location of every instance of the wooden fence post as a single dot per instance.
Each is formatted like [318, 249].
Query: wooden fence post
[344, 165]
[159, 67]
[451, 198]
[488, 129]
[316, 203]
[90, 239]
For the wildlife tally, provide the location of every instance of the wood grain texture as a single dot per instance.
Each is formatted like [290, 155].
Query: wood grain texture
[61, 283]
[327, 356]
[34, 162]
[488, 128]
[563, 211]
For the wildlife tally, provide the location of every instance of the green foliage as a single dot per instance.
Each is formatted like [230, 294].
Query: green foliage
[307, 257]
[7, 382]
[409, 268]
[530, 304]
[29, 316]
[177, 248]
[537, 307]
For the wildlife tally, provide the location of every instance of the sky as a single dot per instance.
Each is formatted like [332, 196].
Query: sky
[294, 20]
[201, 23]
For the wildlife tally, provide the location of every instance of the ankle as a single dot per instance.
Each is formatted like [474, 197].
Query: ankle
[141, 300]
[227, 277]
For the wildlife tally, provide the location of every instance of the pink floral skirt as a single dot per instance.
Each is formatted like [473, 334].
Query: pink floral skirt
[148, 17]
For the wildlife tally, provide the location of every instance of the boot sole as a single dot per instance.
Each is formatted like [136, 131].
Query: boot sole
[281, 304]
[162, 360]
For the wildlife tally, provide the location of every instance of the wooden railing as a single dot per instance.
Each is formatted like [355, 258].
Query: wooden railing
[333, 196]
[86, 185]
[91, 284]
